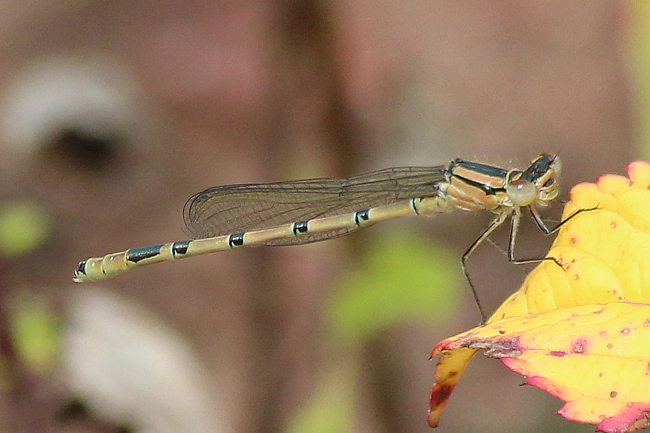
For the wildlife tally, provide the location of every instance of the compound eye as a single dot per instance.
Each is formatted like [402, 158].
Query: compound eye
[521, 192]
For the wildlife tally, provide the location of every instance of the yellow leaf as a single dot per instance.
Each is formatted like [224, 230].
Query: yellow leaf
[579, 326]
[450, 367]
[594, 357]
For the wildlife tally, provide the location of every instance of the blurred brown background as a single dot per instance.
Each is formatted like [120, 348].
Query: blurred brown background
[114, 113]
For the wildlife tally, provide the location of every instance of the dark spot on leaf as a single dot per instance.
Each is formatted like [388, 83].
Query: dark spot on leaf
[558, 353]
[613, 224]
[440, 394]
[613, 394]
[625, 331]
[501, 331]
[573, 241]
[600, 374]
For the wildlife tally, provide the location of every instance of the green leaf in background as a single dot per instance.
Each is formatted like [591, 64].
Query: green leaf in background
[330, 410]
[403, 277]
[36, 332]
[23, 227]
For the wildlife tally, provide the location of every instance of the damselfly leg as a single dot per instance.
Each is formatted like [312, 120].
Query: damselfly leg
[514, 229]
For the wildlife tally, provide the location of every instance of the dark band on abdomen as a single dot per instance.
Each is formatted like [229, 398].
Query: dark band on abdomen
[136, 254]
[300, 227]
[236, 240]
[361, 216]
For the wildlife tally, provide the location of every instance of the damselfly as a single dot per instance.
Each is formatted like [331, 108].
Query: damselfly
[303, 211]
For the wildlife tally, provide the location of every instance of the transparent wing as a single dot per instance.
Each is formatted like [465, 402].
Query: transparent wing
[230, 209]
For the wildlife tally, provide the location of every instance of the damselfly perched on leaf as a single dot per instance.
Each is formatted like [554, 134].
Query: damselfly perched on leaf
[303, 211]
